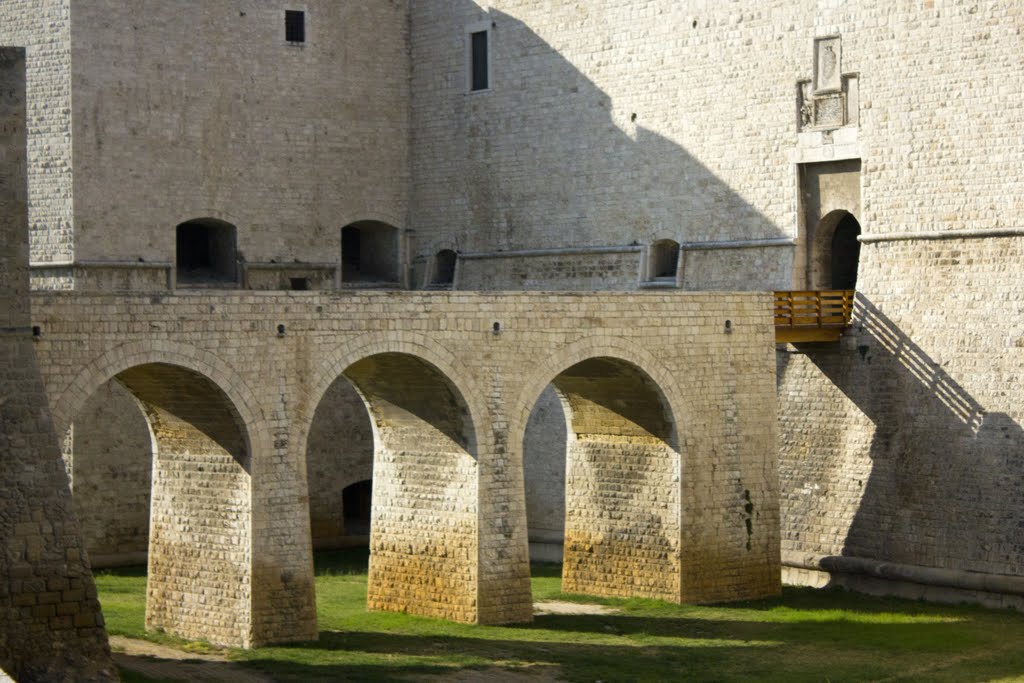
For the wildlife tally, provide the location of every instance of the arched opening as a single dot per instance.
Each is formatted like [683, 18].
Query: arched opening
[423, 497]
[622, 493]
[206, 253]
[339, 454]
[444, 268]
[664, 261]
[845, 253]
[199, 532]
[370, 253]
[834, 252]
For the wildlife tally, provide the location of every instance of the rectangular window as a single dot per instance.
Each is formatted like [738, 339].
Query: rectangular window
[479, 66]
[295, 26]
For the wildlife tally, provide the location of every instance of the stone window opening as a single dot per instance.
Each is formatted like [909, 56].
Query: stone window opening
[444, 269]
[206, 253]
[663, 264]
[369, 253]
[295, 26]
[479, 61]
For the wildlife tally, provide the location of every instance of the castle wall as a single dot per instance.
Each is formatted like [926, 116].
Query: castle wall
[205, 110]
[901, 444]
[50, 622]
[110, 459]
[608, 125]
[44, 28]
[898, 445]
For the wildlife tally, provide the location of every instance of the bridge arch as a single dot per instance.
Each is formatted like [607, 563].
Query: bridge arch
[623, 469]
[200, 526]
[424, 518]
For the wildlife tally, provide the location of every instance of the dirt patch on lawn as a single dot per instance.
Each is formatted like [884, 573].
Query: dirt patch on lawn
[571, 608]
[168, 664]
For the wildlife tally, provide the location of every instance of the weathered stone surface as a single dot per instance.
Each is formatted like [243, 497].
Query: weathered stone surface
[50, 622]
[682, 432]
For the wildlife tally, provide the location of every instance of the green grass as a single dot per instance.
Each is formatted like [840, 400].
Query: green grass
[804, 635]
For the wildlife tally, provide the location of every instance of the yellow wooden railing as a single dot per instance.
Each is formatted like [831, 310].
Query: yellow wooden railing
[812, 316]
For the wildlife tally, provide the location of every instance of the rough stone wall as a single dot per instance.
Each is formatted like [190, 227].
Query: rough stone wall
[609, 124]
[51, 627]
[111, 463]
[204, 110]
[340, 453]
[44, 28]
[720, 387]
[622, 530]
[544, 457]
[557, 272]
[424, 526]
[900, 445]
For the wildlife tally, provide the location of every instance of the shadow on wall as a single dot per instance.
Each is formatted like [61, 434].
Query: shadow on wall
[946, 482]
[546, 158]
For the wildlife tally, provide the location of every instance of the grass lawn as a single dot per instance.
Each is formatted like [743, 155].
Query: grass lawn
[804, 635]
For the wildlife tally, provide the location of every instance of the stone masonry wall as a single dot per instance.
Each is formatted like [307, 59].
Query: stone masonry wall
[199, 579]
[44, 28]
[470, 483]
[111, 464]
[622, 530]
[51, 627]
[900, 445]
[340, 453]
[205, 110]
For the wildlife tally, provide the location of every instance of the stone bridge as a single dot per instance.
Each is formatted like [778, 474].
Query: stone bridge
[670, 404]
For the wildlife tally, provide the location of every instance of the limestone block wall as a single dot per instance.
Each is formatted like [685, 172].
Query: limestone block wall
[609, 124]
[205, 110]
[900, 445]
[340, 453]
[44, 28]
[110, 457]
[450, 403]
[50, 622]
[544, 459]
[622, 484]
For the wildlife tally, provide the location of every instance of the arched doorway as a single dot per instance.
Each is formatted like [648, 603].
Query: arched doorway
[845, 253]
[835, 252]
[621, 494]
[199, 536]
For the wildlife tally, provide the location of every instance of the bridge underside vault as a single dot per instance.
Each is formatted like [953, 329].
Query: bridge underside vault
[423, 548]
[622, 532]
[199, 580]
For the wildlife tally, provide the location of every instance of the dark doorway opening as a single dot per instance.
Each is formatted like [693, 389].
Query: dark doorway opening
[356, 505]
[664, 263]
[845, 253]
[444, 268]
[206, 252]
[369, 253]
